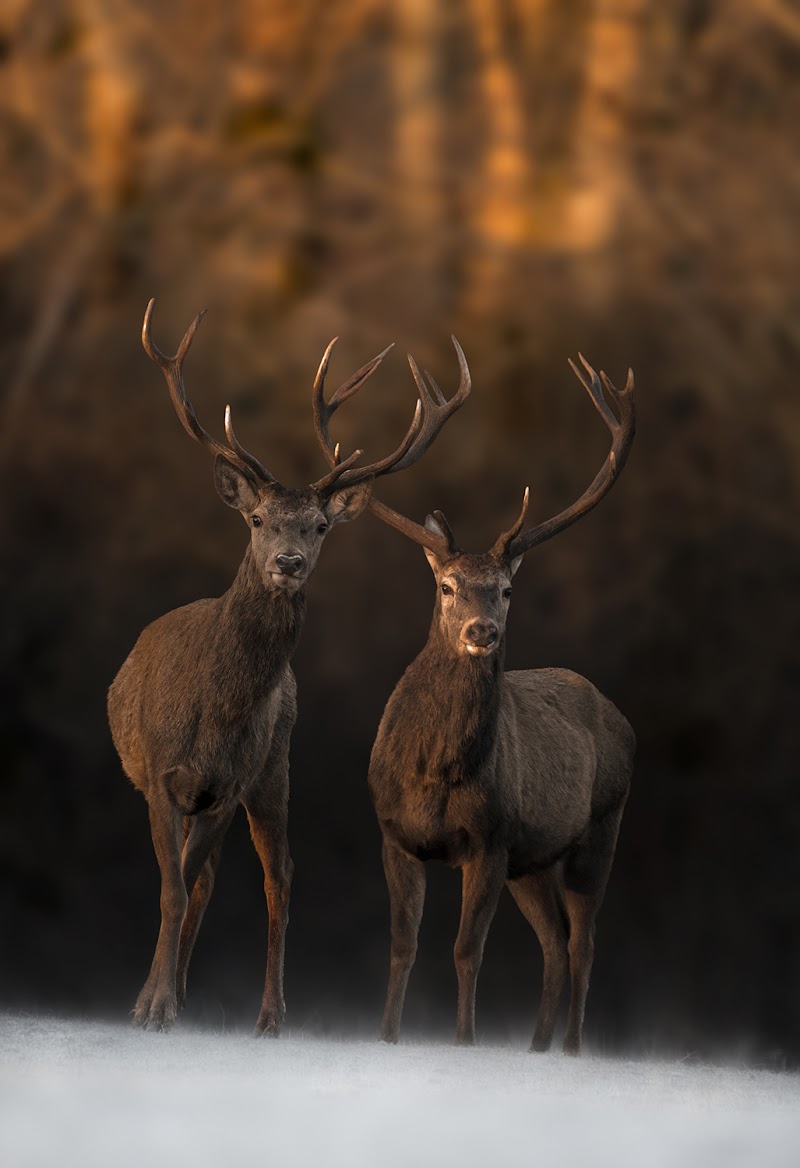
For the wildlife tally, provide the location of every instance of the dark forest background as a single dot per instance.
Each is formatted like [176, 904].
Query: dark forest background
[537, 176]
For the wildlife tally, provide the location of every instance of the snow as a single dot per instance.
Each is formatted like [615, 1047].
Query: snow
[97, 1094]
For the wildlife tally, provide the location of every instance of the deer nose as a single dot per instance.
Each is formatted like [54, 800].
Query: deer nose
[290, 565]
[481, 633]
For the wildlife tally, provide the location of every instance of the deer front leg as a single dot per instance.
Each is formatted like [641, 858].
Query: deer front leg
[405, 879]
[156, 1007]
[482, 881]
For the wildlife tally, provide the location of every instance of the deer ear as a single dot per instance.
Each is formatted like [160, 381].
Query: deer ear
[233, 486]
[514, 564]
[437, 524]
[436, 527]
[348, 503]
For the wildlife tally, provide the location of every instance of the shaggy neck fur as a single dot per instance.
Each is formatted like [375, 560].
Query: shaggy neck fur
[257, 630]
[450, 701]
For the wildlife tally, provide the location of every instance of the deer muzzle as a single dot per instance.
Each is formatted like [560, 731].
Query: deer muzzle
[289, 572]
[290, 565]
[479, 637]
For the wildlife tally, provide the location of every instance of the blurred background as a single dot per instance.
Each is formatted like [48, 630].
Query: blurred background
[537, 176]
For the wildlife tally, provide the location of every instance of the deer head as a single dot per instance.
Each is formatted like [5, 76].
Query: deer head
[474, 591]
[288, 525]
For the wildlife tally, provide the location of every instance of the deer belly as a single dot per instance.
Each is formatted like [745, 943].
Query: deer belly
[533, 846]
[453, 846]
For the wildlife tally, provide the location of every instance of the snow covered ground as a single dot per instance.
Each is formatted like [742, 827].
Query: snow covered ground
[93, 1094]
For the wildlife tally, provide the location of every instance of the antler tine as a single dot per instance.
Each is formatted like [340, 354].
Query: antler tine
[594, 390]
[431, 413]
[429, 417]
[343, 476]
[435, 412]
[622, 398]
[172, 368]
[354, 383]
[503, 542]
[323, 412]
[623, 429]
[153, 351]
[432, 416]
[245, 455]
[437, 393]
[331, 480]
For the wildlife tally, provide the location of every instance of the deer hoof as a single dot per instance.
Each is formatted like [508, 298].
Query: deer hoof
[540, 1045]
[572, 1047]
[269, 1026]
[157, 1016]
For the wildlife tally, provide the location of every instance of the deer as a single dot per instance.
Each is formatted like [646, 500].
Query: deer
[201, 711]
[518, 778]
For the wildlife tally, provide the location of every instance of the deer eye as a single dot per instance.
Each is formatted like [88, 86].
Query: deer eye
[507, 592]
[322, 528]
[256, 520]
[447, 590]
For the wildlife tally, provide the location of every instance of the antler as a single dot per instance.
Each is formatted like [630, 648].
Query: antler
[172, 368]
[430, 415]
[511, 544]
[324, 411]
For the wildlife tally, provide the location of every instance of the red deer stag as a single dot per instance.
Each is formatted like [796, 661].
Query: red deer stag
[517, 778]
[202, 710]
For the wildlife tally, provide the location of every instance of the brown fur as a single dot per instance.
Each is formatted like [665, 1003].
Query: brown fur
[202, 710]
[517, 778]
[201, 713]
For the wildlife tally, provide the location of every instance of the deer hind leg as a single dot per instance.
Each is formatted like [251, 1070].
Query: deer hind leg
[482, 882]
[539, 899]
[405, 880]
[156, 1006]
[203, 836]
[586, 872]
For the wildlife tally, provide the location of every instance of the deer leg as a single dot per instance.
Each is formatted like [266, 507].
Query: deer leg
[405, 879]
[482, 882]
[198, 903]
[268, 824]
[539, 899]
[156, 1006]
[202, 847]
[582, 909]
[267, 807]
[586, 873]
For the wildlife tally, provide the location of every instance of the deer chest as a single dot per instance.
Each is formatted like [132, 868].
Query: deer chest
[440, 824]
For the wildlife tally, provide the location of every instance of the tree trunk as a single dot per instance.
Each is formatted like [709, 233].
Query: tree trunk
[112, 103]
[501, 198]
[418, 195]
[602, 176]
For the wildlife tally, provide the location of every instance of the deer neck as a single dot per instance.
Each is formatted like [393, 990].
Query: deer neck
[260, 626]
[457, 705]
